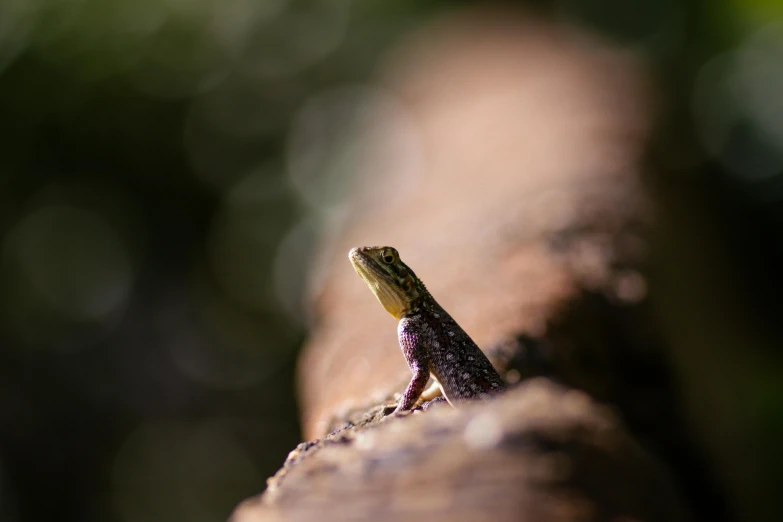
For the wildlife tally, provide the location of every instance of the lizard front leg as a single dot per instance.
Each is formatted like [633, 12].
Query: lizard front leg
[413, 339]
[414, 389]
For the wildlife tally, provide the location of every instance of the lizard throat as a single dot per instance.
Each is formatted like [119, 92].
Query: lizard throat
[391, 300]
[388, 293]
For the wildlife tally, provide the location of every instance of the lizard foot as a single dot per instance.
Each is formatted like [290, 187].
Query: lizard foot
[402, 413]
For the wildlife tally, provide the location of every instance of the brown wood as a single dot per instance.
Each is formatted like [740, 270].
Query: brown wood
[524, 213]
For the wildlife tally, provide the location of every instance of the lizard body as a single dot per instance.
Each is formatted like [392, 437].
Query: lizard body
[431, 340]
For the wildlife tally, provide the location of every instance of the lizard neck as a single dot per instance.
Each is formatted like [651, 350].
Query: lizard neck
[425, 303]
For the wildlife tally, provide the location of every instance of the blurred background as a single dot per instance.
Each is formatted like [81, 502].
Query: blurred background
[168, 168]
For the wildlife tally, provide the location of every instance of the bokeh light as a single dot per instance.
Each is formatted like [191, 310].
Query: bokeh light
[244, 234]
[174, 471]
[341, 130]
[67, 263]
[16, 22]
[759, 80]
[297, 254]
[738, 108]
[320, 26]
[171, 173]
[241, 348]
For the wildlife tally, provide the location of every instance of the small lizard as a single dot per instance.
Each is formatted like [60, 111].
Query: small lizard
[432, 342]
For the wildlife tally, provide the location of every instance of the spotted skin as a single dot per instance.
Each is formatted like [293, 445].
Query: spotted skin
[431, 340]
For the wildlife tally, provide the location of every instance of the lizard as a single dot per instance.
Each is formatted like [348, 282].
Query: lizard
[433, 344]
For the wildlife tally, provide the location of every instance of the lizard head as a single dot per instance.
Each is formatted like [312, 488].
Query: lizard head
[393, 283]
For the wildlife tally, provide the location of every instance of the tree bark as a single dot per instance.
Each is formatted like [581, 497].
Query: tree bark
[524, 211]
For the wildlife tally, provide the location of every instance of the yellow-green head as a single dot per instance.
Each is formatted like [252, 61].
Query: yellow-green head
[393, 283]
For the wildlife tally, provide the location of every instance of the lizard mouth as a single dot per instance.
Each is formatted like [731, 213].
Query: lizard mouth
[380, 282]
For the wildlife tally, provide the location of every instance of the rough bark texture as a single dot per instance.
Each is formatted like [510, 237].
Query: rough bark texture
[539, 453]
[526, 218]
